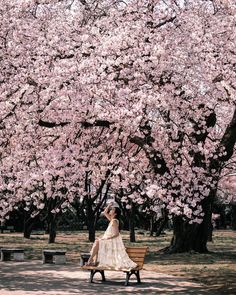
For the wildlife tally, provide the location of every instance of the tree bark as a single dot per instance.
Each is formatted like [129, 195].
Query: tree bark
[233, 217]
[28, 227]
[192, 237]
[91, 224]
[132, 225]
[187, 237]
[152, 226]
[162, 224]
[52, 225]
[91, 229]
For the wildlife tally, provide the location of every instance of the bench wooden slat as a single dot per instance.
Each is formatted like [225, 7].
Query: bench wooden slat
[102, 268]
[136, 254]
[136, 250]
[137, 259]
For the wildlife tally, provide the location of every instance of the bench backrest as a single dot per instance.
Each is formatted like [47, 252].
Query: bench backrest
[137, 254]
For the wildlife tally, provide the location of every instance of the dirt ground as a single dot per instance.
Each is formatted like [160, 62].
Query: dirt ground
[215, 271]
[34, 278]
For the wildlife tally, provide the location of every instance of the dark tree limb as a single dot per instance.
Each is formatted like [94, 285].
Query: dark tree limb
[229, 138]
[169, 20]
[52, 124]
[98, 123]
[155, 158]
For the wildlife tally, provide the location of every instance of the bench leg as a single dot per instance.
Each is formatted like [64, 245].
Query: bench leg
[129, 274]
[47, 258]
[138, 277]
[60, 259]
[92, 273]
[103, 275]
[18, 256]
[5, 256]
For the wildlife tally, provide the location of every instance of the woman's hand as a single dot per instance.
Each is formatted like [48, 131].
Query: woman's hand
[108, 207]
[106, 213]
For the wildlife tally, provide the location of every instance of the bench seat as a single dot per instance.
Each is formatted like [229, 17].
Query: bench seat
[54, 256]
[8, 254]
[137, 254]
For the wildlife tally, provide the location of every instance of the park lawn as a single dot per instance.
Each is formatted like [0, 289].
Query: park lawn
[217, 270]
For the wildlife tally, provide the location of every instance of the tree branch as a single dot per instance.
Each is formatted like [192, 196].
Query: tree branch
[157, 162]
[169, 20]
[99, 123]
[229, 138]
[52, 124]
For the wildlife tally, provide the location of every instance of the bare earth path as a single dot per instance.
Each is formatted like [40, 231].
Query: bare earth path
[35, 278]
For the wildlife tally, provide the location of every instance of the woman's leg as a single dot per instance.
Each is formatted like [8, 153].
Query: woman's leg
[94, 251]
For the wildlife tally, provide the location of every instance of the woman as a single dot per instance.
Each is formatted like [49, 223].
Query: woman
[110, 250]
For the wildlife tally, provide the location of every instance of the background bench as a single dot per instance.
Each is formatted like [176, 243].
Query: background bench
[12, 254]
[8, 228]
[54, 256]
[137, 254]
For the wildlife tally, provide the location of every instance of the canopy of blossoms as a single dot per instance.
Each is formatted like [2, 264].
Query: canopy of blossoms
[137, 95]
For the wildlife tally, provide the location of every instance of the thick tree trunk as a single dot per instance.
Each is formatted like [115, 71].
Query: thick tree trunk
[125, 214]
[91, 224]
[233, 217]
[132, 225]
[52, 226]
[161, 225]
[210, 233]
[223, 220]
[91, 230]
[28, 225]
[188, 237]
[28, 229]
[152, 226]
[192, 237]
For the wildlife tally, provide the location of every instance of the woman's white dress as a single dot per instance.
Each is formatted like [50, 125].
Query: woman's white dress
[112, 253]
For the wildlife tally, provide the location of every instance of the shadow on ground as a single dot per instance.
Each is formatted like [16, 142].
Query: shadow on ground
[35, 278]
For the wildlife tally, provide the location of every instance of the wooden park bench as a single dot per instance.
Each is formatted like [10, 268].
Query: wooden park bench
[12, 254]
[137, 254]
[54, 256]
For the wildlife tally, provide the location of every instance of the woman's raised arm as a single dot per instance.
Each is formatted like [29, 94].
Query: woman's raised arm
[105, 212]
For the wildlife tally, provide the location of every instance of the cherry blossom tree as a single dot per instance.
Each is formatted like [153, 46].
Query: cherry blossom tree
[153, 80]
[35, 148]
[166, 74]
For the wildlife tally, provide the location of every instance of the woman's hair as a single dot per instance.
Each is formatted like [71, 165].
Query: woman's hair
[118, 214]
